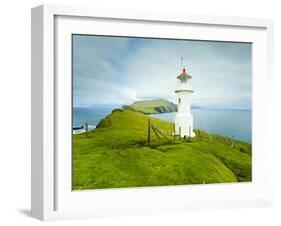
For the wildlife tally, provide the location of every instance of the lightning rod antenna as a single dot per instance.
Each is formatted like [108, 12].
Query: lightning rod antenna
[181, 62]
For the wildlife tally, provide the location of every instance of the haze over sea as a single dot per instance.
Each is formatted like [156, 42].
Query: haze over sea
[225, 122]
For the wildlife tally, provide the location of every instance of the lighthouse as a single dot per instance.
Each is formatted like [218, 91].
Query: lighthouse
[184, 118]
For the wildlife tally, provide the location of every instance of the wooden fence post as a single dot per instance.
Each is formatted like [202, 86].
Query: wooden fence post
[233, 142]
[199, 136]
[86, 129]
[179, 132]
[149, 132]
[174, 131]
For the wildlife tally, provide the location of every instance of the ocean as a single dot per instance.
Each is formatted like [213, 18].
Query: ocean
[90, 115]
[224, 122]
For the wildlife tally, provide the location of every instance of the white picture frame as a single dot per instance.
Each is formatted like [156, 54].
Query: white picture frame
[51, 196]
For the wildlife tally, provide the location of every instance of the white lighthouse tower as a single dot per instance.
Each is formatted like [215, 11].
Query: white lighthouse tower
[184, 118]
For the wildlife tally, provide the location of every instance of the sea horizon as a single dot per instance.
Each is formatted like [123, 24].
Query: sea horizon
[192, 107]
[226, 122]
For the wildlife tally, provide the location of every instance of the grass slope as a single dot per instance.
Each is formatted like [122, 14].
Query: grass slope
[153, 106]
[115, 155]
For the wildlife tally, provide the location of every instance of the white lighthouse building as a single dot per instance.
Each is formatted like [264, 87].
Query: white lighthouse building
[184, 118]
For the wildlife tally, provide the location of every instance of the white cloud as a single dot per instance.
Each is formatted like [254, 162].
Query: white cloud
[114, 71]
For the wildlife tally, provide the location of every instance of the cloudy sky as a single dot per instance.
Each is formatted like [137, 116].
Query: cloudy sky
[113, 71]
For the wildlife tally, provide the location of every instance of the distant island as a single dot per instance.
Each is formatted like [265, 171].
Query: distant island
[156, 106]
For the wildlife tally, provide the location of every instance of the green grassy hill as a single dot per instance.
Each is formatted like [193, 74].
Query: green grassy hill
[153, 106]
[116, 155]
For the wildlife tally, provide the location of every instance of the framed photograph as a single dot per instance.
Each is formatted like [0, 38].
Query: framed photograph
[136, 113]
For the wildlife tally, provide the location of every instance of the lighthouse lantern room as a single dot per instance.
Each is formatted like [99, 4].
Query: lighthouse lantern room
[184, 118]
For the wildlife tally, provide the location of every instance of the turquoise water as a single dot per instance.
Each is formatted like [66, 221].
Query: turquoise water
[229, 123]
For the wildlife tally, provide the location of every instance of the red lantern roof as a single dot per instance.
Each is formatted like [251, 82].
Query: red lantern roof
[184, 74]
